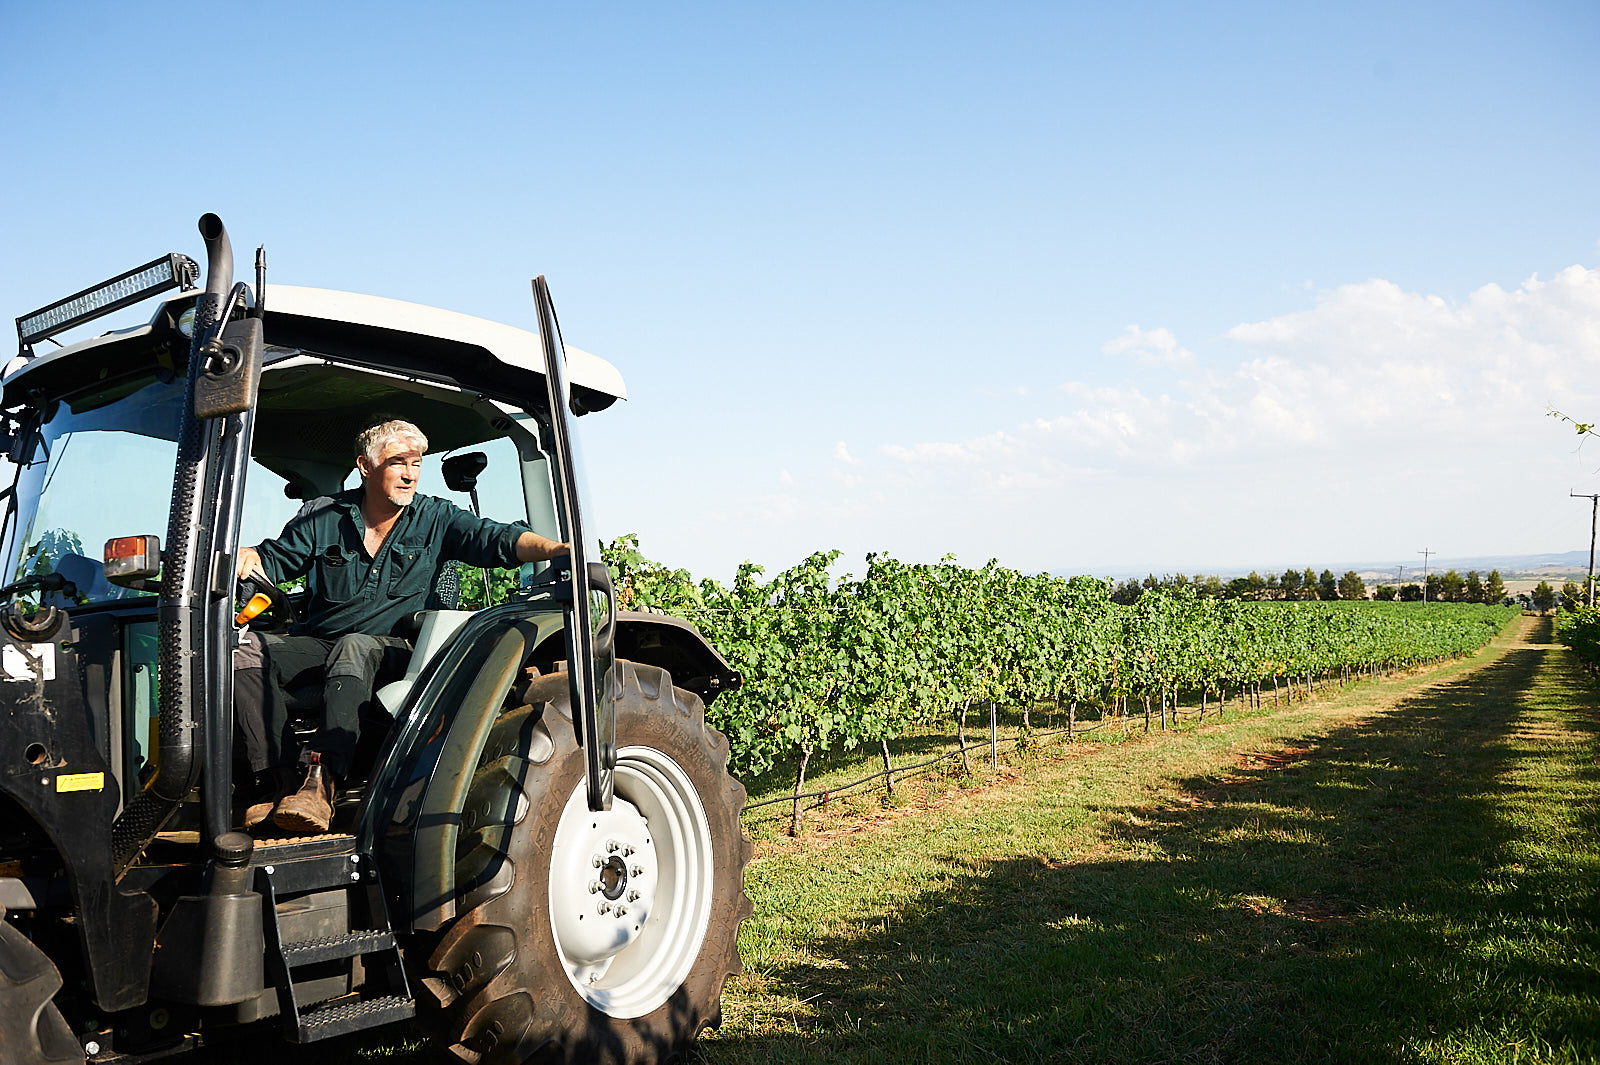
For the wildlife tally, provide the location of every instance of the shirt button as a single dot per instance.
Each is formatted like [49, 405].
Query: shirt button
[374, 571]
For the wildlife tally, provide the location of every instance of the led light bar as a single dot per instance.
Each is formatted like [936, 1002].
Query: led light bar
[170, 271]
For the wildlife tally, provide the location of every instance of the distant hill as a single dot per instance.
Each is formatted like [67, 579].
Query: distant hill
[1554, 563]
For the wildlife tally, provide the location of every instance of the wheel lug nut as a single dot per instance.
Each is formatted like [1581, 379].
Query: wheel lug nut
[637, 870]
[605, 907]
[612, 846]
[627, 851]
[622, 911]
[633, 896]
[597, 861]
[594, 885]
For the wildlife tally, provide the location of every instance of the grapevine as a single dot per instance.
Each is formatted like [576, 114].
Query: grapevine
[832, 664]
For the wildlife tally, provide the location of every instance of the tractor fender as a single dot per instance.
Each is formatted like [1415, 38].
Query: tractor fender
[417, 801]
[677, 647]
[411, 818]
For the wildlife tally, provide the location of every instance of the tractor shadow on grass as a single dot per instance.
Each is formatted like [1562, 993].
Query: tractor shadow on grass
[1361, 898]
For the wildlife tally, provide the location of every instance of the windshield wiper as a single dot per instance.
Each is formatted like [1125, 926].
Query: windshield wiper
[44, 582]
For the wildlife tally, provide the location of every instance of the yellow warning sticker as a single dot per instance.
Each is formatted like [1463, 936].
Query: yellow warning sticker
[80, 781]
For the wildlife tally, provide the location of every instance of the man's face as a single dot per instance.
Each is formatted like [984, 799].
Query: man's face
[395, 475]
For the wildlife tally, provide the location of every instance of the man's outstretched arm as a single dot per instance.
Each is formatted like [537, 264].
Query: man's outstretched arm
[531, 547]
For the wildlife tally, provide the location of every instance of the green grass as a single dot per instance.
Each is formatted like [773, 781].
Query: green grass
[1406, 871]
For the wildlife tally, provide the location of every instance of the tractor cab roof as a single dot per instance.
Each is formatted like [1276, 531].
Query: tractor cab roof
[404, 337]
[334, 361]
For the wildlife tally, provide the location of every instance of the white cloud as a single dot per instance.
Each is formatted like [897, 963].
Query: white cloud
[1374, 420]
[1154, 347]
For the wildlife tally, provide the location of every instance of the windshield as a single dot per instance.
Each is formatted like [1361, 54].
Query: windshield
[101, 464]
[99, 467]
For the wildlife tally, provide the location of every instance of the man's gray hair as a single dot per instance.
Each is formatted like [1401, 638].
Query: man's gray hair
[373, 440]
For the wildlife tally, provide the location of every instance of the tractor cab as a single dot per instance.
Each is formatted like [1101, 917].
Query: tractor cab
[145, 459]
[95, 469]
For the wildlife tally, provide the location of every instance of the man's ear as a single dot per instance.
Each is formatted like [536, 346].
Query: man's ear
[363, 467]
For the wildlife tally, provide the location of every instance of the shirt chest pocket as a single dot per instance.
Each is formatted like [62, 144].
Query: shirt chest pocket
[409, 571]
[339, 574]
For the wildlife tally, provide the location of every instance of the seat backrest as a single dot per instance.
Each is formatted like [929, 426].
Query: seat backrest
[437, 627]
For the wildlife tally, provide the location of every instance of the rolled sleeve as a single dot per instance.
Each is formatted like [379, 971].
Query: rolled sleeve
[481, 542]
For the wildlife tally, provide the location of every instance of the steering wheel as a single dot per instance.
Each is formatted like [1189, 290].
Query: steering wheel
[262, 605]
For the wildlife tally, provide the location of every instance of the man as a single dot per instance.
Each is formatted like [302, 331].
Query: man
[371, 556]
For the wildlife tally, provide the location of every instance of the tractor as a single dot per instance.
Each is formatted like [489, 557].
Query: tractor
[540, 856]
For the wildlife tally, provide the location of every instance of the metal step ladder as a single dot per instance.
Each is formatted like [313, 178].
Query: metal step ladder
[330, 951]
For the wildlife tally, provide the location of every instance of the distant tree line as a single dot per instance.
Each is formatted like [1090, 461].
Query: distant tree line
[1544, 597]
[1307, 585]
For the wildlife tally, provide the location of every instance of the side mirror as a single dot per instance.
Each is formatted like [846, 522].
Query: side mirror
[461, 471]
[232, 376]
[132, 561]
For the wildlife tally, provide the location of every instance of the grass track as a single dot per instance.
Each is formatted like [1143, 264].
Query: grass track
[1406, 871]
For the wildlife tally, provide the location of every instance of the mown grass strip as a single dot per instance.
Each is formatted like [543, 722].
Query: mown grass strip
[1366, 877]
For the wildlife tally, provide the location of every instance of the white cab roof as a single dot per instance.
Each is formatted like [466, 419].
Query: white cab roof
[508, 344]
[513, 346]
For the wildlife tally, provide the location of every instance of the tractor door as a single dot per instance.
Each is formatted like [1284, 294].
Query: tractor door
[591, 613]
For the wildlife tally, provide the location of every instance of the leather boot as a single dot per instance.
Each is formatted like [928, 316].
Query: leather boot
[308, 811]
[270, 786]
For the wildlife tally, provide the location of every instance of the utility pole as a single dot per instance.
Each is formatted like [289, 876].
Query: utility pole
[1425, 552]
[1594, 517]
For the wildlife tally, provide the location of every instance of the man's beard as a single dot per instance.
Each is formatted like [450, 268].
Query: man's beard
[398, 500]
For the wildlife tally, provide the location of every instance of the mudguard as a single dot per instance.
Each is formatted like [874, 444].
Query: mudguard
[677, 647]
[417, 799]
[412, 817]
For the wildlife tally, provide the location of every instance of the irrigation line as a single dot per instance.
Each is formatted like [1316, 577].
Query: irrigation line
[830, 793]
[827, 794]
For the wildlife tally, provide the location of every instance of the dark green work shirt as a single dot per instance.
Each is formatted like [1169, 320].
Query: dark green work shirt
[352, 592]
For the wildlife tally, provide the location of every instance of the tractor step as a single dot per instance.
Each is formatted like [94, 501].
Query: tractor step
[342, 1018]
[330, 951]
[273, 849]
[349, 945]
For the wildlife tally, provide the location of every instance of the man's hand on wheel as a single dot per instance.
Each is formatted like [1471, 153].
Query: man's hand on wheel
[250, 566]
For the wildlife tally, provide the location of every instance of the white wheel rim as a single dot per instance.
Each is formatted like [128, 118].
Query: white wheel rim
[630, 888]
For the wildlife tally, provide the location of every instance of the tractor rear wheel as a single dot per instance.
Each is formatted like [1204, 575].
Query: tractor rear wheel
[32, 1030]
[594, 937]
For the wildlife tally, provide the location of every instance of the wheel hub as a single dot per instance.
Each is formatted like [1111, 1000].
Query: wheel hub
[600, 884]
[631, 887]
[613, 878]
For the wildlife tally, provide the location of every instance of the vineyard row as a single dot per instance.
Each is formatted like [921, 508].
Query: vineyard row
[834, 664]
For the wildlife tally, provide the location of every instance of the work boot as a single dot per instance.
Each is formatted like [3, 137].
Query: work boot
[268, 789]
[308, 811]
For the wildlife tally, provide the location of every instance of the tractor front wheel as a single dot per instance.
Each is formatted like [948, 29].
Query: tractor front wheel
[596, 936]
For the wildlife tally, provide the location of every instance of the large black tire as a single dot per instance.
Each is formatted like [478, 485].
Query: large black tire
[548, 891]
[32, 1030]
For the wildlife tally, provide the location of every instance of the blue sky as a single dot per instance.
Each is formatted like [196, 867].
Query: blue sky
[1081, 288]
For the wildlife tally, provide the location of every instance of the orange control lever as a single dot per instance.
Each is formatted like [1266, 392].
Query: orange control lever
[254, 607]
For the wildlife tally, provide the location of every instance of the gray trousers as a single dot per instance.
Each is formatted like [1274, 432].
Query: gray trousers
[277, 676]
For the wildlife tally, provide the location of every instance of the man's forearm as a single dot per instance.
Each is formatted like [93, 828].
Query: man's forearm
[531, 547]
